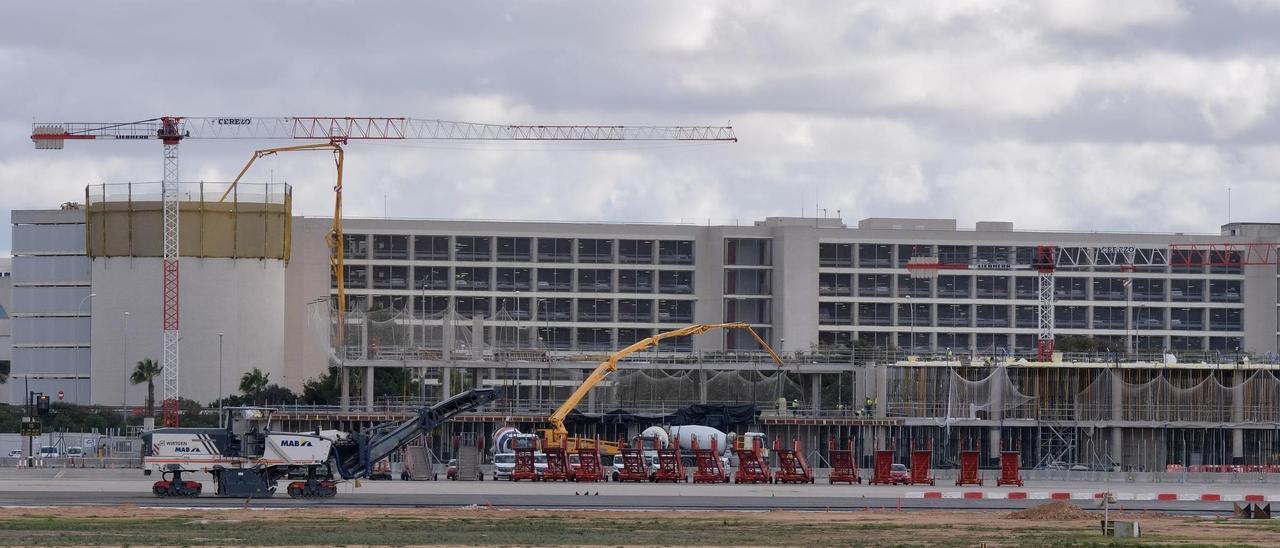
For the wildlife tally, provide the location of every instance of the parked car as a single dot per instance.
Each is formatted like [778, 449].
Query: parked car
[540, 463]
[49, 452]
[503, 465]
[451, 471]
[899, 474]
[75, 452]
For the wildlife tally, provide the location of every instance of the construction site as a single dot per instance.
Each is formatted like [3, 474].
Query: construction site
[904, 359]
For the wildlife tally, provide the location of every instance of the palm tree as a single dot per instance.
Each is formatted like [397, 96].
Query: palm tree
[146, 371]
[253, 382]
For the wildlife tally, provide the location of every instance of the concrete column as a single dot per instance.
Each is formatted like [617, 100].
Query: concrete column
[815, 391]
[702, 386]
[364, 339]
[1117, 397]
[447, 337]
[477, 338]
[1116, 449]
[881, 390]
[368, 389]
[995, 409]
[1237, 416]
[1116, 446]
[345, 374]
[446, 383]
[861, 388]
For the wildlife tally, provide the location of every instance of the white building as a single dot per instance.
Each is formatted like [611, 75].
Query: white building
[50, 305]
[803, 283]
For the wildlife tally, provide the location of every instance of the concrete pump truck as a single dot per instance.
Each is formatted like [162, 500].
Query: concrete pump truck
[246, 458]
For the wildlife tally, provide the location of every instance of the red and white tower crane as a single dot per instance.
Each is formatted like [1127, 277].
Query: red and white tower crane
[171, 130]
[1047, 259]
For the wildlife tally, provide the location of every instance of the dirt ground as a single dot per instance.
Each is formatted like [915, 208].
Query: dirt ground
[1048, 526]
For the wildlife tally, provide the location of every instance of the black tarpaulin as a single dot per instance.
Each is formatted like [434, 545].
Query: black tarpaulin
[713, 415]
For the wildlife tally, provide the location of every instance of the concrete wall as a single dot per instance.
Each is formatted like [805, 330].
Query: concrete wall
[306, 322]
[242, 298]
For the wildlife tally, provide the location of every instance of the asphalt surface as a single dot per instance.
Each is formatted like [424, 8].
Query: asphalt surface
[579, 502]
[86, 487]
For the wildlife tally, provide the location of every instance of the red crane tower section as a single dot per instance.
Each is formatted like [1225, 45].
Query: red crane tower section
[172, 130]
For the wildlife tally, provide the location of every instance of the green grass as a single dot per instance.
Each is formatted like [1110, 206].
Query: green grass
[490, 528]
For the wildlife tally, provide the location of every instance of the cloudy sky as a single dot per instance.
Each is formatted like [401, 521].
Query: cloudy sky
[1092, 115]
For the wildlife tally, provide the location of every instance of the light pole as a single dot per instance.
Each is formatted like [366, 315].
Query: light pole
[124, 355]
[518, 326]
[80, 307]
[221, 395]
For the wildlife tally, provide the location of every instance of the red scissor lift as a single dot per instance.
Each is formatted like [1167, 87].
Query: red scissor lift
[1010, 468]
[557, 465]
[882, 471]
[843, 464]
[792, 466]
[669, 466]
[589, 468]
[710, 469]
[921, 462]
[526, 465]
[969, 468]
[634, 467]
[751, 465]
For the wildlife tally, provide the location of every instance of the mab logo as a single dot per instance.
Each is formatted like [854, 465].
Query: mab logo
[295, 443]
[186, 449]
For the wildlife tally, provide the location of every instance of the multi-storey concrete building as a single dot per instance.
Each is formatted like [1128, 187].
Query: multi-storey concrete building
[51, 305]
[6, 324]
[1186, 375]
[807, 283]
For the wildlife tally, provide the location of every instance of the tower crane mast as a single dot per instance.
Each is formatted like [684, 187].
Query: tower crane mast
[336, 130]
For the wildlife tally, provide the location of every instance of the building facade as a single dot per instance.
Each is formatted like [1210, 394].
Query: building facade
[806, 284]
[6, 323]
[50, 306]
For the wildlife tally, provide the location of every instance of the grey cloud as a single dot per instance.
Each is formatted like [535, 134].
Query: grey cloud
[997, 110]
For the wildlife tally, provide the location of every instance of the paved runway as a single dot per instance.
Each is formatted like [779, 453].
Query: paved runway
[82, 487]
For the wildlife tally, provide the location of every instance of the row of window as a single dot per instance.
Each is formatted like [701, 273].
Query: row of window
[462, 278]
[532, 310]
[991, 342]
[844, 255]
[516, 249]
[1026, 316]
[1066, 288]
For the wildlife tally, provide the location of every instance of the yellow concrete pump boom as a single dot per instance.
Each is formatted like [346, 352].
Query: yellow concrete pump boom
[610, 365]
